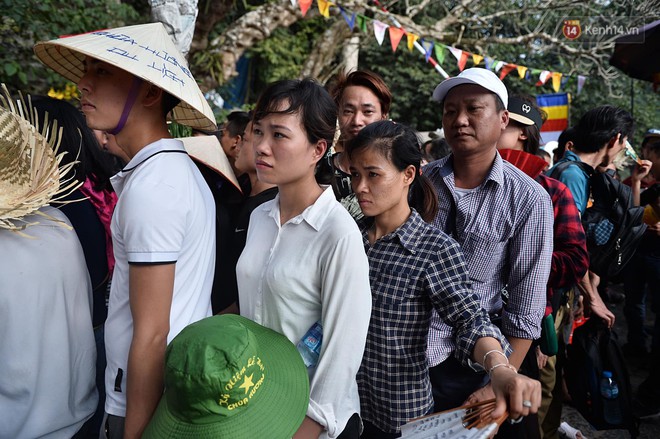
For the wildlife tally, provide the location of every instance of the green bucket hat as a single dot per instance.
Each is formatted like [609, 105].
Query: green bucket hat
[228, 377]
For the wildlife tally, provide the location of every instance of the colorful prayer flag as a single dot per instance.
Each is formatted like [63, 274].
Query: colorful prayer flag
[556, 107]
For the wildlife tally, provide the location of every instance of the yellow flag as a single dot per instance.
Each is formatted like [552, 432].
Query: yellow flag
[521, 71]
[324, 8]
[411, 40]
[476, 59]
[556, 81]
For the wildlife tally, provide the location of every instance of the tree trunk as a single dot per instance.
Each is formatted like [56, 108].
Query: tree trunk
[320, 63]
[210, 13]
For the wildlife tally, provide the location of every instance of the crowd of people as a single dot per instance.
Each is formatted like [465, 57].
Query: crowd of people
[328, 277]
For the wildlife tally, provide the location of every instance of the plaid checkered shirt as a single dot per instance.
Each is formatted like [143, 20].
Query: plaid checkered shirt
[504, 227]
[412, 271]
[570, 259]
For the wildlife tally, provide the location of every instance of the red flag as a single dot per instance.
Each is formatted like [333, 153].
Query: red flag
[463, 60]
[395, 36]
[506, 69]
[304, 6]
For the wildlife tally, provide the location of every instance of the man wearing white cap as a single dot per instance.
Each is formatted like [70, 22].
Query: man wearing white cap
[163, 227]
[502, 219]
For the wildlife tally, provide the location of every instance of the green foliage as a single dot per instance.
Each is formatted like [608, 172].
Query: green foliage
[282, 55]
[412, 80]
[177, 130]
[24, 23]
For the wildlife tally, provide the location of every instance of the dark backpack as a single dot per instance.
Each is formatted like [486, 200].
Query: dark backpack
[594, 349]
[613, 211]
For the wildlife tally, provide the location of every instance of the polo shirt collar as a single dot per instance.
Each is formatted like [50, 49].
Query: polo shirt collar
[314, 215]
[118, 180]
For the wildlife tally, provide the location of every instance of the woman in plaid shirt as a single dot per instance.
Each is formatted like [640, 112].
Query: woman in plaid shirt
[413, 269]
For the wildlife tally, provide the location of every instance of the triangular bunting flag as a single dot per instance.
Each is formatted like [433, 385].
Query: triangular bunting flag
[580, 83]
[440, 53]
[463, 60]
[476, 59]
[395, 37]
[428, 48]
[543, 78]
[304, 6]
[362, 22]
[349, 20]
[556, 81]
[379, 31]
[498, 65]
[521, 71]
[456, 52]
[411, 40]
[324, 8]
[506, 69]
[489, 62]
[293, 2]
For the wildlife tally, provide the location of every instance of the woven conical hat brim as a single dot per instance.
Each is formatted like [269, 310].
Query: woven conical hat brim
[30, 173]
[207, 150]
[144, 50]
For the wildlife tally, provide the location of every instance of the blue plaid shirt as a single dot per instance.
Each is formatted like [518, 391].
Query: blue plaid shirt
[412, 271]
[504, 228]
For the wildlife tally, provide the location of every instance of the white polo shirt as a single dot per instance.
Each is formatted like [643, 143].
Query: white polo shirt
[165, 213]
[312, 268]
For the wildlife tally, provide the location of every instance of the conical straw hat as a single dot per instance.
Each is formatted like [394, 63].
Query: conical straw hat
[207, 150]
[144, 50]
[30, 175]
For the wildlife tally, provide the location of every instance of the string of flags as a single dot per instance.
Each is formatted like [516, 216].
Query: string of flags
[430, 48]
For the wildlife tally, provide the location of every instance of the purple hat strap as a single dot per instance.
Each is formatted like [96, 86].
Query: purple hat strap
[130, 100]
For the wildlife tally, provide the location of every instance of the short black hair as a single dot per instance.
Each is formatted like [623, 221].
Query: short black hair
[600, 125]
[439, 149]
[169, 102]
[236, 123]
[306, 97]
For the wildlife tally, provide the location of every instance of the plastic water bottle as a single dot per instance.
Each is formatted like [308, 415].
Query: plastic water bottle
[310, 345]
[610, 393]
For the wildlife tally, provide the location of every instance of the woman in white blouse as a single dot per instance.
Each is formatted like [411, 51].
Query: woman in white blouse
[304, 261]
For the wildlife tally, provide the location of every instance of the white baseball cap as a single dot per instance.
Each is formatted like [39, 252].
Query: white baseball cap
[475, 75]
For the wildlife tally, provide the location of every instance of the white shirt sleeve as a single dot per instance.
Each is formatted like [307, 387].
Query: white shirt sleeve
[154, 229]
[346, 309]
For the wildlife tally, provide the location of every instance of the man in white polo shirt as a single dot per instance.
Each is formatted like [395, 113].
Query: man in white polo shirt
[163, 227]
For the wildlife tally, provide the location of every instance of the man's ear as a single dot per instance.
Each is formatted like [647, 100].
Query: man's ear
[153, 96]
[522, 135]
[504, 119]
[614, 141]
